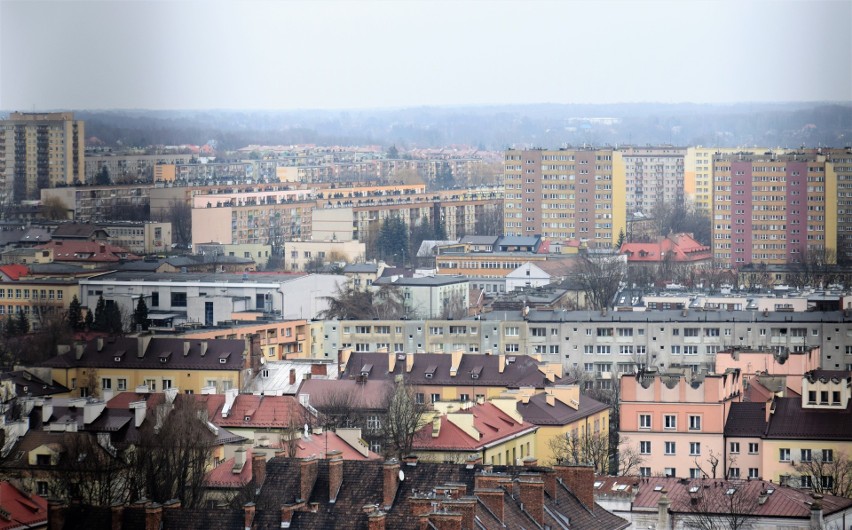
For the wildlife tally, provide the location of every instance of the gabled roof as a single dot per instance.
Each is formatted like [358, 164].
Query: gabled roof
[21, 509]
[14, 271]
[538, 412]
[682, 247]
[494, 426]
[77, 231]
[249, 411]
[121, 352]
[27, 384]
[791, 421]
[369, 395]
[88, 251]
[223, 476]
[746, 419]
[519, 370]
[361, 268]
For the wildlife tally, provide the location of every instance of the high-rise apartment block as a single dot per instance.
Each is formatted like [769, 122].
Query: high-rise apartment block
[654, 177]
[576, 194]
[39, 151]
[698, 172]
[772, 209]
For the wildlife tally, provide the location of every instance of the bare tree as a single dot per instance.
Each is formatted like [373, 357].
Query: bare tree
[454, 307]
[587, 448]
[179, 213]
[349, 303]
[90, 472]
[54, 208]
[728, 507]
[827, 473]
[600, 277]
[629, 460]
[404, 417]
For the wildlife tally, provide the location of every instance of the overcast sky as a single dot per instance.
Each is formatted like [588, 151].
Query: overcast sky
[352, 54]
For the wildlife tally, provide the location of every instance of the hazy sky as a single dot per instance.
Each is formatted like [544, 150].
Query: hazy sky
[352, 54]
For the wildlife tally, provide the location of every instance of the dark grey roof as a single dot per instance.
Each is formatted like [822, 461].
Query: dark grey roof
[790, 420]
[538, 412]
[423, 281]
[132, 276]
[27, 384]
[361, 268]
[479, 240]
[518, 241]
[746, 419]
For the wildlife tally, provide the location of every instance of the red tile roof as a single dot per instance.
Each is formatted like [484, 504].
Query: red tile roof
[124, 399]
[88, 251]
[261, 411]
[14, 271]
[223, 476]
[685, 249]
[322, 444]
[24, 510]
[492, 423]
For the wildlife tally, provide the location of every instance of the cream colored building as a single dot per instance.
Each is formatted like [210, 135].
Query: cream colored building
[39, 151]
[298, 254]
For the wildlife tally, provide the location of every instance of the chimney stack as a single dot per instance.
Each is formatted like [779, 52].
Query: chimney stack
[292, 376]
[258, 468]
[307, 477]
[446, 520]
[142, 342]
[532, 497]
[390, 482]
[493, 500]
[817, 522]
[409, 362]
[501, 363]
[248, 511]
[391, 362]
[46, 409]
[186, 345]
[139, 409]
[55, 514]
[153, 516]
[580, 480]
[335, 475]
[467, 508]
[117, 516]
[100, 343]
[663, 510]
[376, 520]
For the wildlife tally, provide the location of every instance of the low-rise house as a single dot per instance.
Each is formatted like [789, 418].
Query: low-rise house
[676, 504]
[20, 509]
[484, 431]
[91, 254]
[28, 384]
[282, 378]
[431, 296]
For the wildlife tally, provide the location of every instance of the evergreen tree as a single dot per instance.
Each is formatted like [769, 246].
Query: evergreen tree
[392, 244]
[620, 241]
[89, 321]
[102, 177]
[140, 315]
[114, 321]
[75, 314]
[23, 325]
[100, 323]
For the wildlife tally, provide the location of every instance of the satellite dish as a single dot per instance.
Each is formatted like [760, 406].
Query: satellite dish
[401, 475]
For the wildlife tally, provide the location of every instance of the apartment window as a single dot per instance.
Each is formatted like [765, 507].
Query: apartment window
[670, 448]
[644, 421]
[670, 421]
[373, 422]
[812, 397]
[805, 455]
[711, 332]
[670, 472]
[675, 350]
[828, 455]
[362, 329]
[835, 397]
[735, 447]
[644, 448]
[691, 332]
[752, 448]
[805, 481]
[784, 454]
[122, 384]
[827, 481]
[511, 331]
[604, 332]
[694, 472]
[644, 471]
[734, 473]
[167, 383]
[436, 330]
[435, 398]
[694, 449]
[106, 383]
[823, 397]
[41, 488]
[695, 423]
[752, 472]
[625, 332]
[539, 332]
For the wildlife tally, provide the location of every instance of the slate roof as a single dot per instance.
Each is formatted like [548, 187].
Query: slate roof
[27, 384]
[791, 421]
[361, 268]
[493, 426]
[746, 419]
[364, 396]
[170, 349]
[523, 371]
[538, 412]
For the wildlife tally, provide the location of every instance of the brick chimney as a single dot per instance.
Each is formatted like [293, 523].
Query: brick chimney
[117, 516]
[258, 468]
[420, 505]
[493, 500]
[153, 516]
[467, 508]
[173, 504]
[248, 511]
[292, 376]
[390, 482]
[530, 462]
[335, 475]
[55, 514]
[376, 520]
[580, 480]
[307, 477]
[532, 497]
[549, 478]
[446, 521]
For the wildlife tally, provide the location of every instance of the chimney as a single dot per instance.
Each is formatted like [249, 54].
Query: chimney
[102, 249]
[391, 362]
[239, 460]
[258, 469]
[473, 461]
[376, 520]
[817, 522]
[91, 411]
[117, 516]
[142, 342]
[335, 475]
[307, 477]
[549, 477]
[230, 397]
[663, 511]
[55, 514]
[78, 350]
[173, 504]
[46, 409]
[409, 362]
[493, 500]
[501, 363]
[551, 399]
[139, 409]
[456, 357]
[530, 462]
[186, 345]
[248, 513]
[100, 342]
[287, 513]
[153, 516]
[202, 348]
[292, 376]
[532, 497]
[390, 482]
[580, 480]
[446, 520]
[467, 508]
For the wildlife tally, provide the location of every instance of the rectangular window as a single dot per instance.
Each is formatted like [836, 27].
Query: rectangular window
[694, 472]
[735, 447]
[41, 488]
[644, 471]
[805, 481]
[122, 384]
[178, 299]
[435, 398]
[752, 448]
[695, 423]
[511, 331]
[734, 473]
[828, 455]
[694, 449]
[106, 383]
[155, 299]
[784, 454]
[670, 421]
[644, 421]
[805, 455]
[691, 332]
[670, 448]
[753, 473]
[373, 422]
[644, 448]
[670, 472]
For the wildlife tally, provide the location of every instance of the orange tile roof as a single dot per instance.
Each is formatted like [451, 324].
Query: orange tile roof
[684, 247]
[14, 271]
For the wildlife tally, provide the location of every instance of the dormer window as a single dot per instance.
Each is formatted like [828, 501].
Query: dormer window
[117, 359]
[223, 360]
[164, 357]
[430, 371]
[247, 418]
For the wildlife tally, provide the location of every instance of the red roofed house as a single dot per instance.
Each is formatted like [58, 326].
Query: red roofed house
[663, 255]
[88, 253]
[483, 431]
[19, 509]
[13, 272]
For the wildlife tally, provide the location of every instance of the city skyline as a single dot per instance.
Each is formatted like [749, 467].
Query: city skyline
[333, 55]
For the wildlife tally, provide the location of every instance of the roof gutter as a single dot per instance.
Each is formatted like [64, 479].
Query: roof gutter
[513, 437]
